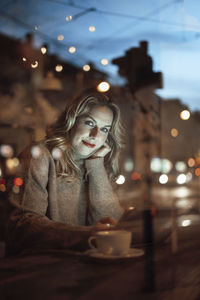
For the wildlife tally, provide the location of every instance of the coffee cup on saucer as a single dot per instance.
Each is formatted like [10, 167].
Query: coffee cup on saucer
[112, 242]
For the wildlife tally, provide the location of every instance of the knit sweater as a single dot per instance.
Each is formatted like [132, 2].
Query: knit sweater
[53, 211]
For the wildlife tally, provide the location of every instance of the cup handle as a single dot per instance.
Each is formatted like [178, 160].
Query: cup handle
[92, 238]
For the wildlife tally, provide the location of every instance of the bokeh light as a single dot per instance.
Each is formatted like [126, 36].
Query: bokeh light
[43, 50]
[6, 151]
[185, 114]
[72, 49]
[136, 176]
[120, 179]
[128, 165]
[92, 28]
[181, 179]
[163, 179]
[174, 132]
[186, 222]
[56, 153]
[2, 188]
[191, 162]
[34, 65]
[180, 166]
[60, 37]
[12, 162]
[68, 18]
[86, 68]
[15, 189]
[36, 151]
[188, 177]
[197, 171]
[159, 165]
[59, 68]
[104, 86]
[18, 181]
[104, 61]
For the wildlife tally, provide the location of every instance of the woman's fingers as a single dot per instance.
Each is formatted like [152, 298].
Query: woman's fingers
[108, 220]
[105, 149]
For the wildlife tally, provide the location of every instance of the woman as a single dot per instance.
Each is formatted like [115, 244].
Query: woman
[67, 194]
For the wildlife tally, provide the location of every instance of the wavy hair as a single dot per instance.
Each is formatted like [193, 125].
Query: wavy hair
[58, 135]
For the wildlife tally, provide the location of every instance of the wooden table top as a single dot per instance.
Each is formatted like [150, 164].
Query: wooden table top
[63, 274]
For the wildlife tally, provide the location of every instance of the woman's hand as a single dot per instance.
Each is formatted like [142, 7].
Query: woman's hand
[105, 149]
[105, 224]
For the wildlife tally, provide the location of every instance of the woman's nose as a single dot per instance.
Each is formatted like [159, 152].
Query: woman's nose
[94, 132]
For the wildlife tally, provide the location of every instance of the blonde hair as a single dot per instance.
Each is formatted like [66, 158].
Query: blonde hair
[58, 135]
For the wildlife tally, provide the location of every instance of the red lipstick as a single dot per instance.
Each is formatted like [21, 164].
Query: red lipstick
[88, 144]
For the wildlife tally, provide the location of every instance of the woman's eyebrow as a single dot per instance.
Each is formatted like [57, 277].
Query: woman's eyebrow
[96, 122]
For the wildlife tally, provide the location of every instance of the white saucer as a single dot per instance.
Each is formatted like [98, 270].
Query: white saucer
[134, 252]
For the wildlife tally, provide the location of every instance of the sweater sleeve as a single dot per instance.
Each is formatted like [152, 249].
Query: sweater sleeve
[28, 225]
[103, 201]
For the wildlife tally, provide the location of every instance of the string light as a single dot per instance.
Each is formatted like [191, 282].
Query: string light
[60, 37]
[34, 65]
[24, 59]
[104, 61]
[92, 28]
[68, 18]
[59, 68]
[43, 50]
[72, 49]
[86, 68]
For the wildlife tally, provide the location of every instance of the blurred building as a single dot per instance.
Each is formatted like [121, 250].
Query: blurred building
[179, 139]
[35, 86]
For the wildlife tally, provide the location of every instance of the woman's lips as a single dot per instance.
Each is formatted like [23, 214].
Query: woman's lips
[88, 144]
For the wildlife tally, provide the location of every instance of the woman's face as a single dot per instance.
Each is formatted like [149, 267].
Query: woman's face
[91, 130]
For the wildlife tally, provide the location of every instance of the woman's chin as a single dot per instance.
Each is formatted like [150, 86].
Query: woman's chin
[81, 155]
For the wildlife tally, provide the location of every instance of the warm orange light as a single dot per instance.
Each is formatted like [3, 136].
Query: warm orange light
[136, 176]
[18, 181]
[197, 159]
[2, 187]
[174, 132]
[197, 171]
[191, 162]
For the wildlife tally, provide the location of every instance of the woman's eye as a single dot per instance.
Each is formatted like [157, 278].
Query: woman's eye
[88, 122]
[105, 130]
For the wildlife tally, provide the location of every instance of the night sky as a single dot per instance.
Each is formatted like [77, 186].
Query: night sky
[172, 29]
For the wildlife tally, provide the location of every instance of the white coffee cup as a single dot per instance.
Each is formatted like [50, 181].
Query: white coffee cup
[113, 242]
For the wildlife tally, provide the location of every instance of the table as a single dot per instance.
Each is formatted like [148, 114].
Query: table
[63, 274]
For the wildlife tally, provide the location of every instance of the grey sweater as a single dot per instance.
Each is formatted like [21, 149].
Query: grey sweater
[58, 212]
